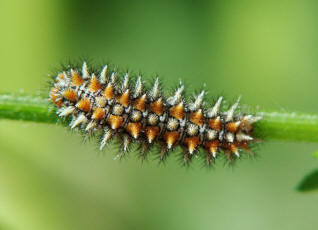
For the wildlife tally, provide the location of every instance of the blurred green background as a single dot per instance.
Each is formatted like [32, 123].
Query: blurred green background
[265, 51]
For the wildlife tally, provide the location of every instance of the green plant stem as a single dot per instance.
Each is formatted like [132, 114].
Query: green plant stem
[288, 126]
[273, 126]
[26, 108]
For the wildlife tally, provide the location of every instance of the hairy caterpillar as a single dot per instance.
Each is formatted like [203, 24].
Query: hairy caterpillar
[97, 102]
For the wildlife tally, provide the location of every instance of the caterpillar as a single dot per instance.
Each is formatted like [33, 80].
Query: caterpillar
[98, 102]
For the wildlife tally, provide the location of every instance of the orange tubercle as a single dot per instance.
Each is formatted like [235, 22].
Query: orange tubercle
[215, 123]
[70, 95]
[99, 113]
[140, 103]
[61, 76]
[192, 143]
[232, 126]
[134, 128]
[84, 104]
[197, 118]
[54, 95]
[151, 133]
[109, 92]
[115, 121]
[76, 79]
[177, 111]
[124, 99]
[94, 84]
[58, 102]
[212, 146]
[171, 138]
[157, 107]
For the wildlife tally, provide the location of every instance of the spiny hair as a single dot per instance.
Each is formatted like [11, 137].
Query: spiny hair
[98, 103]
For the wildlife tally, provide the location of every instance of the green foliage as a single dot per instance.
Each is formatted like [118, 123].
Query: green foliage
[309, 183]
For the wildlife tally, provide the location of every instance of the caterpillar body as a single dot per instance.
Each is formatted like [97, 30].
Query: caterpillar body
[97, 102]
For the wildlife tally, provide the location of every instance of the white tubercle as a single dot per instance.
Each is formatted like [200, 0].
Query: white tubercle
[66, 111]
[254, 119]
[125, 82]
[113, 78]
[85, 71]
[102, 77]
[243, 137]
[101, 101]
[107, 136]
[230, 113]
[155, 90]
[172, 124]
[177, 96]
[211, 134]
[138, 88]
[229, 137]
[198, 102]
[247, 117]
[91, 125]
[192, 129]
[79, 120]
[216, 108]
